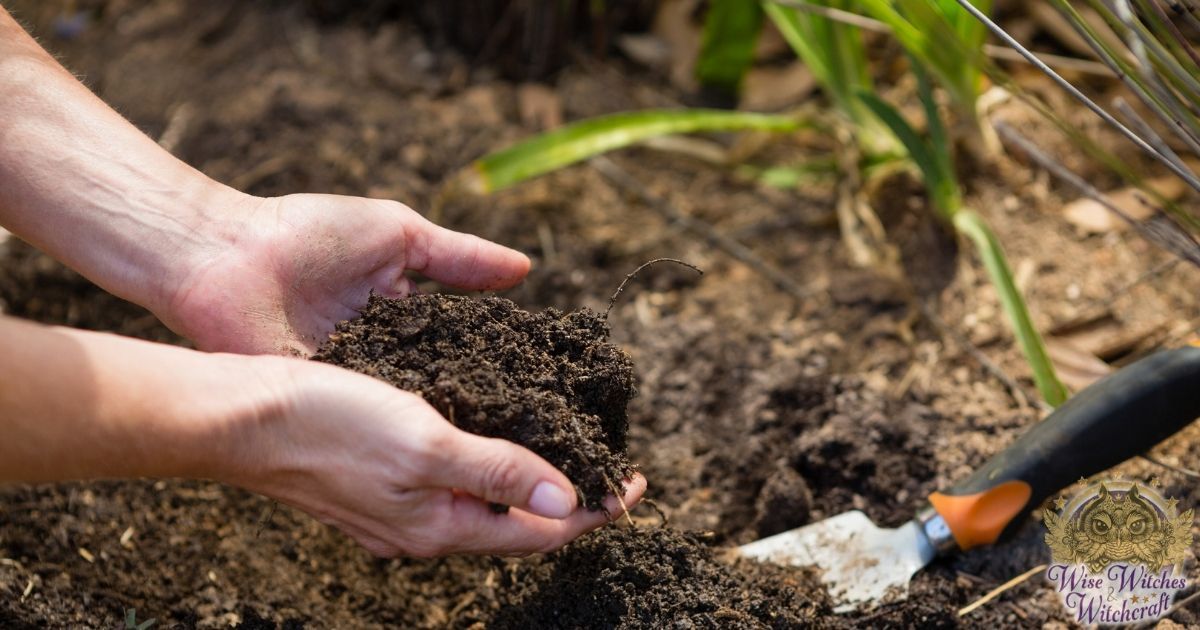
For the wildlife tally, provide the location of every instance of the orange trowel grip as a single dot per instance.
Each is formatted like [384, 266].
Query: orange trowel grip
[1120, 416]
[977, 519]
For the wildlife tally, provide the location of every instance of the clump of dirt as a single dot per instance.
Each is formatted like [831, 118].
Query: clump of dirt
[548, 381]
[657, 577]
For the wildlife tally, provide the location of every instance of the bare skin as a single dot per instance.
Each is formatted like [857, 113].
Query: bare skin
[256, 276]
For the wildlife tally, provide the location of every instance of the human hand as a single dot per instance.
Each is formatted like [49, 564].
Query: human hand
[279, 273]
[384, 467]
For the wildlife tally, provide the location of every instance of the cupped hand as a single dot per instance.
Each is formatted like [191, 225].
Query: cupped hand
[384, 467]
[276, 274]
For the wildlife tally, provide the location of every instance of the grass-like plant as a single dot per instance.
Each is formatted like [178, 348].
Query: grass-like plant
[835, 54]
[581, 140]
[1156, 62]
[933, 159]
[939, 34]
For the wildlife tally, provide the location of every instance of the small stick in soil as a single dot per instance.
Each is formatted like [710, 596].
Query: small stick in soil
[630, 186]
[1179, 469]
[996, 592]
[612, 301]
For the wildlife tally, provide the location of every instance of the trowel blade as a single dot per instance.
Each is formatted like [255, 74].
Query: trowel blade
[861, 564]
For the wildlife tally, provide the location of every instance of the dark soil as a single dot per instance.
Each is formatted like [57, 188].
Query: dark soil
[548, 381]
[656, 577]
[758, 412]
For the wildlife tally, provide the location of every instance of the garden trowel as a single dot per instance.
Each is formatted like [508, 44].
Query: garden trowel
[1120, 416]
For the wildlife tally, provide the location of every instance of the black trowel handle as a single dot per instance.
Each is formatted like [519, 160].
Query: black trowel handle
[1120, 416]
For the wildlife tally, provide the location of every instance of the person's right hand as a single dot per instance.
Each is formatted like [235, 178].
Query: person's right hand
[384, 467]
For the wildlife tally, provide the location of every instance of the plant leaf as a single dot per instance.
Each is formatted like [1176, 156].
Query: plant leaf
[971, 225]
[586, 138]
[727, 50]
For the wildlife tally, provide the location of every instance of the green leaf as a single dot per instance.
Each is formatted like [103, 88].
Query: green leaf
[835, 54]
[727, 50]
[937, 179]
[586, 138]
[970, 224]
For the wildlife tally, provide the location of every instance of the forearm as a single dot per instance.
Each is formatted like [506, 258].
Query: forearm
[77, 405]
[80, 182]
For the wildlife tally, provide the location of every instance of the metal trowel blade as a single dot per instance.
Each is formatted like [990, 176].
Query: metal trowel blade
[861, 564]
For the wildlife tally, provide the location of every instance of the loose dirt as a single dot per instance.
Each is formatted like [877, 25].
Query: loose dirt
[548, 381]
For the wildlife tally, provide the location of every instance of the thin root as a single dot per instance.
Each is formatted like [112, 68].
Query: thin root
[612, 301]
[996, 592]
[620, 499]
[661, 514]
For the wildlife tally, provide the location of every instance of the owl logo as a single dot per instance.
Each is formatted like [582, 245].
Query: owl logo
[1103, 525]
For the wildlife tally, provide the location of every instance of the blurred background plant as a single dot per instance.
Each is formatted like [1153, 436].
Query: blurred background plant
[848, 46]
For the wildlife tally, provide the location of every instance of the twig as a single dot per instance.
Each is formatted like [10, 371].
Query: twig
[1171, 467]
[1191, 179]
[1014, 388]
[1148, 132]
[996, 592]
[625, 182]
[997, 52]
[1171, 239]
[613, 300]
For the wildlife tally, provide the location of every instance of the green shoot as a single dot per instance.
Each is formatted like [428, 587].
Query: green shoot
[946, 40]
[835, 54]
[933, 160]
[581, 140]
[727, 51]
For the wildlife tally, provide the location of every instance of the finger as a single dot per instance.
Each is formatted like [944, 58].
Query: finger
[462, 260]
[499, 471]
[476, 529]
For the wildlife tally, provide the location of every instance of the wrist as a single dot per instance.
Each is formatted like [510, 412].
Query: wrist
[236, 402]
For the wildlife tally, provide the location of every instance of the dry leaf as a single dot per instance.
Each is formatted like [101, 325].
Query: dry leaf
[1077, 368]
[1093, 218]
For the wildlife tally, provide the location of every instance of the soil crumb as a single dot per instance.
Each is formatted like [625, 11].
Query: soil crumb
[548, 381]
[657, 577]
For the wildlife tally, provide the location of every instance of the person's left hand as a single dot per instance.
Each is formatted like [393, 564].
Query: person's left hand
[280, 274]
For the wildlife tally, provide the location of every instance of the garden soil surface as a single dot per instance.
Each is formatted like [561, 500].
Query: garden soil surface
[757, 412]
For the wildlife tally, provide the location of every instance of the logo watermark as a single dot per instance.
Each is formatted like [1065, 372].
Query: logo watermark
[1118, 549]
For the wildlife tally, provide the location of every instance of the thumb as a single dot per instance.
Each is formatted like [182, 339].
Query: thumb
[502, 472]
[462, 260]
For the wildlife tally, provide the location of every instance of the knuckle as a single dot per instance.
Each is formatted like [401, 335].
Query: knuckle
[500, 478]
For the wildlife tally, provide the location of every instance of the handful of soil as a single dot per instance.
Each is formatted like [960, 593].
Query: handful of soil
[548, 381]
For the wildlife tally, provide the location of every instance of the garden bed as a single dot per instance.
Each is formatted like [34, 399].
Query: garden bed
[756, 413]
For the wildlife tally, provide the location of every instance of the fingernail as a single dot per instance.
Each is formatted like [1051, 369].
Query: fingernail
[550, 501]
